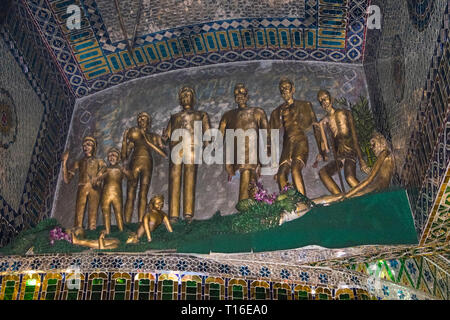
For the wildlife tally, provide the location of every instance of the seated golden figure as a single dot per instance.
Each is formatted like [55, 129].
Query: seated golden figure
[152, 220]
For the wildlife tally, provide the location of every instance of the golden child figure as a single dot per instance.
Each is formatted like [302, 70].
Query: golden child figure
[137, 146]
[152, 220]
[184, 120]
[245, 118]
[112, 189]
[88, 194]
[295, 117]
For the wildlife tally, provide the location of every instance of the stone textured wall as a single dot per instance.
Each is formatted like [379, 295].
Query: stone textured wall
[15, 160]
[44, 105]
[107, 114]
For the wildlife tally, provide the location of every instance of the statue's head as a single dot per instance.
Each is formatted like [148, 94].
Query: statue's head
[287, 89]
[325, 100]
[241, 95]
[113, 156]
[157, 202]
[378, 143]
[186, 97]
[144, 120]
[89, 146]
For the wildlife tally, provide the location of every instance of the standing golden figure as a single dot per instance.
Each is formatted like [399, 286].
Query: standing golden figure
[112, 189]
[245, 118]
[152, 220]
[137, 146]
[88, 194]
[184, 120]
[344, 142]
[295, 117]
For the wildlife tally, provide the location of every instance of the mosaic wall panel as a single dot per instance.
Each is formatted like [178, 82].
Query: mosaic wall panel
[407, 74]
[55, 105]
[107, 114]
[338, 258]
[162, 15]
[15, 160]
[112, 276]
[92, 59]
[419, 273]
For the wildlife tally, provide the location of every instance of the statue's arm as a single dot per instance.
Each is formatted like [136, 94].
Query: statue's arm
[275, 121]
[147, 227]
[206, 125]
[125, 147]
[321, 144]
[264, 124]
[68, 174]
[167, 132]
[167, 223]
[375, 170]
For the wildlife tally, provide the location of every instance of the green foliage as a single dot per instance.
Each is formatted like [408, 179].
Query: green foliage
[253, 216]
[245, 204]
[364, 124]
[262, 216]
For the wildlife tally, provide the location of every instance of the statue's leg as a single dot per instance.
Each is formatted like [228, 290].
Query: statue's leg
[282, 175]
[246, 175]
[174, 191]
[80, 206]
[131, 194]
[190, 175]
[325, 176]
[146, 178]
[350, 172]
[106, 210]
[118, 212]
[297, 178]
[93, 204]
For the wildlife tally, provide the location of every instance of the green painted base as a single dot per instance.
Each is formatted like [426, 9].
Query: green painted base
[376, 219]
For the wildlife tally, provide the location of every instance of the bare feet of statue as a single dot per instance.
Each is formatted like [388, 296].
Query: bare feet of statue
[173, 220]
[188, 219]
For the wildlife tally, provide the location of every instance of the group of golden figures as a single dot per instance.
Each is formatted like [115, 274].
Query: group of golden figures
[100, 184]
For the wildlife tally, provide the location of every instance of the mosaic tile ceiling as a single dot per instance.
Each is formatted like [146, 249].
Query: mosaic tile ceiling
[105, 51]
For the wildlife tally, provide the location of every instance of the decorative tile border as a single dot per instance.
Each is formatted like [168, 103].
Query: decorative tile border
[177, 266]
[91, 62]
[417, 273]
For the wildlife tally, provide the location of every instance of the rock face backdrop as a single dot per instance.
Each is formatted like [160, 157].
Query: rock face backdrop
[108, 114]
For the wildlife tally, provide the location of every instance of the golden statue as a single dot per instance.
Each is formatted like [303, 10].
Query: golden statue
[379, 179]
[184, 120]
[244, 118]
[295, 117]
[101, 243]
[88, 194]
[137, 146]
[344, 144]
[112, 189]
[152, 220]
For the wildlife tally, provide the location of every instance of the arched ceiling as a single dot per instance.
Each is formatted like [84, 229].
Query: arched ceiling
[121, 40]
